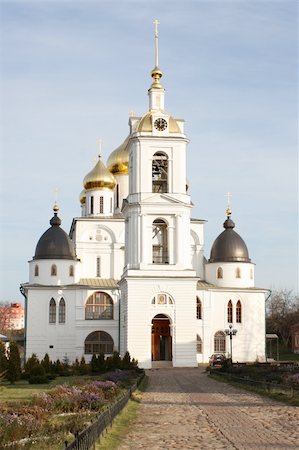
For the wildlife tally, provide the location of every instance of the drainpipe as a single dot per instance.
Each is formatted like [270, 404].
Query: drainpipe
[118, 291]
[270, 292]
[23, 292]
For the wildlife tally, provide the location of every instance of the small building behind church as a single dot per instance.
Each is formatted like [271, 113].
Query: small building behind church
[295, 338]
[132, 274]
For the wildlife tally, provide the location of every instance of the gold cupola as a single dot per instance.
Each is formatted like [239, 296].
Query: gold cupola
[99, 178]
[118, 161]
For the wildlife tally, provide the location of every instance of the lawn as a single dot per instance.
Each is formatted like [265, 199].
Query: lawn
[22, 390]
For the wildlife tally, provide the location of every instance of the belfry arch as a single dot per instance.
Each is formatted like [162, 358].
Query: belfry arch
[161, 338]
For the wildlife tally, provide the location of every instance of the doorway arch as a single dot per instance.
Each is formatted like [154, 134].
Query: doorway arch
[161, 338]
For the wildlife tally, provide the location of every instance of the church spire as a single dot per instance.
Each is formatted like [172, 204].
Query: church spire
[156, 91]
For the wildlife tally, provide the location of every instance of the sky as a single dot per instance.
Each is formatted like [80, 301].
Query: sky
[71, 71]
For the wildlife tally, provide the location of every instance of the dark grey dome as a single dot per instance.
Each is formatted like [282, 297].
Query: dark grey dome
[229, 246]
[55, 243]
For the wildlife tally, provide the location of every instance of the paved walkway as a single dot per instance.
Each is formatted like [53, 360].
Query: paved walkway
[184, 409]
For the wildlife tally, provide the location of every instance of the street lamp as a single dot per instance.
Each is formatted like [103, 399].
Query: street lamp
[231, 332]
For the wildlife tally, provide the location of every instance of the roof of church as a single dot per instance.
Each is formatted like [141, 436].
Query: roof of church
[229, 246]
[99, 282]
[203, 285]
[55, 243]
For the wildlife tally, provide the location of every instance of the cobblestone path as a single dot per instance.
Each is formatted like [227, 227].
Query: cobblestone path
[184, 409]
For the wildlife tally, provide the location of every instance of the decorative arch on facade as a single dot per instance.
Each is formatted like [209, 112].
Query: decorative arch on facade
[230, 312]
[99, 306]
[52, 311]
[61, 311]
[160, 172]
[160, 242]
[98, 342]
[194, 237]
[36, 270]
[219, 273]
[238, 272]
[198, 308]
[238, 312]
[219, 342]
[162, 299]
[53, 270]
[198, 344]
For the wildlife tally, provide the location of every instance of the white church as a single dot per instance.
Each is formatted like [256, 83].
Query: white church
[131, 275]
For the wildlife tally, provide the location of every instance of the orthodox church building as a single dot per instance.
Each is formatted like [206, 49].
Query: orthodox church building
[131, 275]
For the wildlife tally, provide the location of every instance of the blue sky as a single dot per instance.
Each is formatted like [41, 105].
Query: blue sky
[72, 71]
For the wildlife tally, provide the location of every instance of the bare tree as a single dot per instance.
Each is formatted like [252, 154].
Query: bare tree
[282, 312]
[5, 317]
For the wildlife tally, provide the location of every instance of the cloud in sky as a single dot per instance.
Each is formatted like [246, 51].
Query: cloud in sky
[71, 72]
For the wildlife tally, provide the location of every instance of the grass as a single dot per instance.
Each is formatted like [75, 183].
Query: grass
[287, 355]
[114, 436]
[22, 390]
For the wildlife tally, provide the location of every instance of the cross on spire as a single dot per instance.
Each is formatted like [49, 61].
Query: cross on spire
[156, 23]
[99, 142]
[228, 209]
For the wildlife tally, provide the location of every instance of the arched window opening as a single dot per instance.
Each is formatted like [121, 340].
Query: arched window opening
[98, 342]
[91, 205]
[160, 246]
[36, 271]
[219, 273]
[198, 308]
[198, 344]
[219, 342]
[251, 274]
[99, 306]
[117, 195]
[238, 312]
[238, 272]
[230, 312]
[71, 271]
[160, 172]
[101, 204]
[52, 311]
[162, 299]
[53, 270]
[61, 314]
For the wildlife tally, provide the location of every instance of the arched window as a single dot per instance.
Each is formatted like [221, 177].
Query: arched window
[219, 342]
[198, 309]
[61, 315]
[219, 272]
[238, 312]
[160, 172]
[71, 271]
[52, 311]
[160, 246]
[98, 342]
[198, 344]
[99, 306]
[238, 272]
[36, 270]
[251, 274]
[101, 204]
[230, 312]
[53, 270]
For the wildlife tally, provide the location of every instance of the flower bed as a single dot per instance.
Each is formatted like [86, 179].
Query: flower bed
[61, 411]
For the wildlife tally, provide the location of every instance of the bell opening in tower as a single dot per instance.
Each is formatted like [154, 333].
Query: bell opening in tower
[160, 173]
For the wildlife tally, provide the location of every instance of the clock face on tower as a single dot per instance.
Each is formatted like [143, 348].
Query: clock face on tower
[160, 124]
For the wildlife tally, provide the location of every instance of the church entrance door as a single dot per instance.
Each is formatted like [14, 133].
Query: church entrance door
[161, 339]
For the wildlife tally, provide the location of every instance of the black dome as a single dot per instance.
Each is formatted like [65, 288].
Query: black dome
[229, 246]
[55, 243]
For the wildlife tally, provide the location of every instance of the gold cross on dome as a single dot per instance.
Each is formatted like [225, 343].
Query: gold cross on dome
[156, 23]
[99, 142]
[228, 210]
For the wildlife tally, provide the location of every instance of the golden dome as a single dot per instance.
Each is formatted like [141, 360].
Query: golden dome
[118, 161]
[99, 178]
[146, 124]
[82, 197]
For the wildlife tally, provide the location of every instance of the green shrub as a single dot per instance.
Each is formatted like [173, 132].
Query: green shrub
[38, 379]
[14, 363]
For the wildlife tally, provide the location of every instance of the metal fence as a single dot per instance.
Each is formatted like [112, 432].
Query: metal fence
[274, 388]
[87, 438]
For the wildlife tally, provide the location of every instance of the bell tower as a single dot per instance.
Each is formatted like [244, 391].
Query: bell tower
[157, 209]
